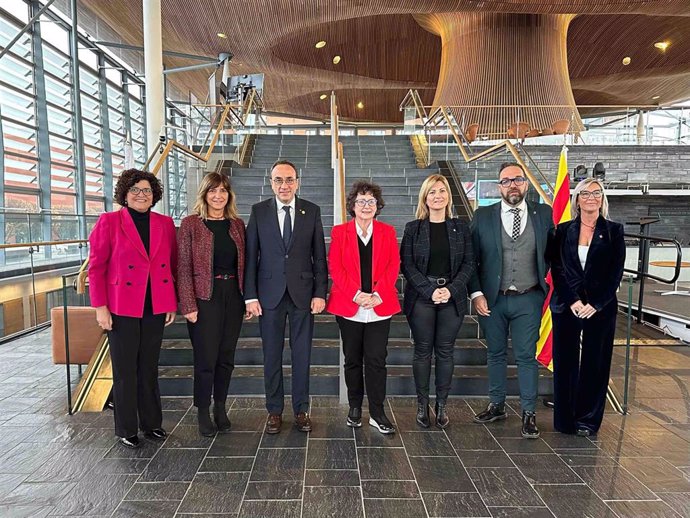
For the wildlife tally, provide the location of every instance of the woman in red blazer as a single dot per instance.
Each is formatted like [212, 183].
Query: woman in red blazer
[364, 263]
[132, 262]
[210, 279]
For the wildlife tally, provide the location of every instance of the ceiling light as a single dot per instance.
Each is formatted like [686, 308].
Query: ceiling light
[655, 97]
[360, 105]
[222, 35]
[626, 60]
[662, 45]
[336, 60]
[322, 96]
[320, 44]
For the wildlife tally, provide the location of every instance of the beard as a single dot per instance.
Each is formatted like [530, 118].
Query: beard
[513, 198]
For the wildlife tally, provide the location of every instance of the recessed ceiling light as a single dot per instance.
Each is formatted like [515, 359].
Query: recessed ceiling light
[222, 35]
[322, 96]
[662, 45]
[360, 105]
[655, 97]
[336, 60]
[626, 60]
[320, 44]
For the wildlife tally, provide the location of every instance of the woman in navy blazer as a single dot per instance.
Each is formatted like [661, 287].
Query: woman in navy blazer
[437, 261]
[587, 260]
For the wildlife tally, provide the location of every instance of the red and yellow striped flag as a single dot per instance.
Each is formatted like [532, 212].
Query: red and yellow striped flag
[561, 213]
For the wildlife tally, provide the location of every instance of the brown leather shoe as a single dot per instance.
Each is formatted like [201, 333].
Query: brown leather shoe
[273, 423]
[302, 422]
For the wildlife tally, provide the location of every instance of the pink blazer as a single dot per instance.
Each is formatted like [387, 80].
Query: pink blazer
[119, 267]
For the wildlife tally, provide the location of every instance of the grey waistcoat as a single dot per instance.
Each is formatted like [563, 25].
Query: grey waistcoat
[519, 260]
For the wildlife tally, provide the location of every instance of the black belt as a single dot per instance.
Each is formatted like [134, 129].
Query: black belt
[224, 276]
[438, 281]
[511, 293]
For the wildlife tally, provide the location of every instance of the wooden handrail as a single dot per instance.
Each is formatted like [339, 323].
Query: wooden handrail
[43, 243]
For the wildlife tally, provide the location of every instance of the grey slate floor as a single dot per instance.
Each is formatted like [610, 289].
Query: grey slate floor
[53, 464]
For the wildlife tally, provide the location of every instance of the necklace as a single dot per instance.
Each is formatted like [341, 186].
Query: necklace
[215, 219]
[588, 226]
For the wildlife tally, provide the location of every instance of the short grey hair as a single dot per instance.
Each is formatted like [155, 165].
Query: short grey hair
[575, 211]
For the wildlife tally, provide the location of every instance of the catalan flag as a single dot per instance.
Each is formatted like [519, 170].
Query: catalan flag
[561, 213]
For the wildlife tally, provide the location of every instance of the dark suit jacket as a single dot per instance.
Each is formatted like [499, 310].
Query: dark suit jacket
[414, 256]
[488, 248]
[271, 268]
[598, 282]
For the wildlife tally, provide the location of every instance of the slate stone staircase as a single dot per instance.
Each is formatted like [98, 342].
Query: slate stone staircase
[388, 161]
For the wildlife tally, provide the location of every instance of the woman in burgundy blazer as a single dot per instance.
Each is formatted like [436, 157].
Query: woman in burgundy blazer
[211, 282]
[364, 263]
[132, 261]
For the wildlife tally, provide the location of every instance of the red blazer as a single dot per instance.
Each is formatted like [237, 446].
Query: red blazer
[119, 268]
[195, 265]
[343, 266]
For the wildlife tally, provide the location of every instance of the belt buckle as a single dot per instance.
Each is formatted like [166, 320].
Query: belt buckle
[441, 281]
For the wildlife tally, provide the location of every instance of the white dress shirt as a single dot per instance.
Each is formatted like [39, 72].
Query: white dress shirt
[366, 315]
[507, 219]
[281, 213]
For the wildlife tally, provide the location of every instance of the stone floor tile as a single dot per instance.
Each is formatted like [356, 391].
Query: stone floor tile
[215, 493]
[273, 465]
[503, 487]
[544, 468]
[390, 489]
[334, 502]
[424, 444]
[393, 508]
[574, 500]
[172, 465]
[384, 464]
[455, 504]
[432, 474]
[614, 483]
[331, 454]
[274, 490]
[332, 477]
[159, 509]
[270, 509]
[95, 495]
[144, 491]
[235, 444]
[658, 509]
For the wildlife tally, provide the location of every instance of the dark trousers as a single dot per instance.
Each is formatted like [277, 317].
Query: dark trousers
[580, 379]
[365, 345]
[519, 315]
[434, 329]
[272, 327]
[135, 345]
[214, 339]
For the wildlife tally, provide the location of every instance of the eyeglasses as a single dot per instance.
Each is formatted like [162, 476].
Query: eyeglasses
[518, 181]
[136, 190]
[368, 203]
[286, 181]
[585, 195]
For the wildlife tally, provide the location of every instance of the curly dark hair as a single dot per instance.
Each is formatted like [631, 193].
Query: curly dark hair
[132, 176]
[364, 187]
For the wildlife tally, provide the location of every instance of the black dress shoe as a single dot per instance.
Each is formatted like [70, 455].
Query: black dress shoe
[442, 419]
[130, 442]
[423, 415]
[382, 424]
[220, 416]
[493, 412]
[157, 434]
[354, 417]
[206, 426]
[583, 432]
[529, 425]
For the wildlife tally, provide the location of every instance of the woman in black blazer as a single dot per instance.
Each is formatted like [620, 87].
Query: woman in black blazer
[587, 260]
[437, 262]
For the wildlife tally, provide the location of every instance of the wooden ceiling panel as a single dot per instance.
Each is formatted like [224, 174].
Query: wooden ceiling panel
[385, 51]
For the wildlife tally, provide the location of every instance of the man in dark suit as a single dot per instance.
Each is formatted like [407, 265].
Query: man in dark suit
[508, 290]
[286, 278]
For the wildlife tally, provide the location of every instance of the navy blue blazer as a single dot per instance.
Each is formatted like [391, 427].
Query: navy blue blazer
[598, 282]
[414, 256]
[488, 247]
[271, 267]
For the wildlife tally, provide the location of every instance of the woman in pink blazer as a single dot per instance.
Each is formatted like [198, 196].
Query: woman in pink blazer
[132, 261]
[364, 263]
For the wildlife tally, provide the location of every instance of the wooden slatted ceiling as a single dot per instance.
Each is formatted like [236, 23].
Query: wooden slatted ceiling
[272, 37]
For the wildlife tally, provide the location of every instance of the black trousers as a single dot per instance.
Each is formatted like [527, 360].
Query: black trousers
[135, 345]
[580, 379]
[214, 339]
[434, 329]
[272, 326]
[365, 345]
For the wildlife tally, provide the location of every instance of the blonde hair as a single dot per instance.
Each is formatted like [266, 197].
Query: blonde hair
[422, 208]
[575, 210]
[211, 181]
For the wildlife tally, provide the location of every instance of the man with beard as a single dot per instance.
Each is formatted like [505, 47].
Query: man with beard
[508, 290]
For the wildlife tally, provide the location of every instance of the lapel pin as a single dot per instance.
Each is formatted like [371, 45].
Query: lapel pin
[600, 236]
[302, 211]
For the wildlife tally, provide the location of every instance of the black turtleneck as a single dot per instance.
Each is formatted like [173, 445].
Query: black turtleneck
[142, 222]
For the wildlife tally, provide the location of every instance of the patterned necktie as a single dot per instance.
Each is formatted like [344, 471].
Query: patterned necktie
[516, 223]
[287, 226]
